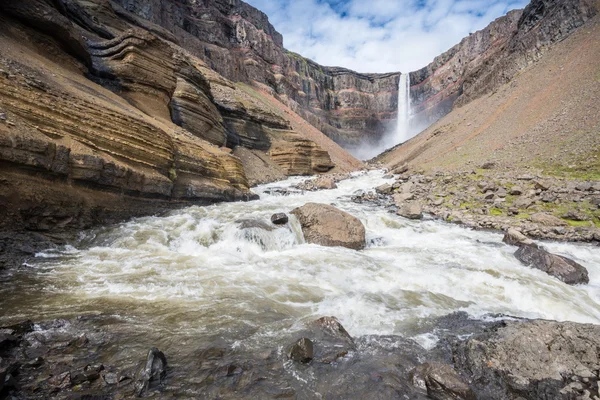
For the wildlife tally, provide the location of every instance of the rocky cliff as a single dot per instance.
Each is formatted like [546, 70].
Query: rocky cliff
[104, 115]
[238, 41]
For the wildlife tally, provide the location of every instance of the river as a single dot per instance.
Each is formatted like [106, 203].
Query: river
[192, 279]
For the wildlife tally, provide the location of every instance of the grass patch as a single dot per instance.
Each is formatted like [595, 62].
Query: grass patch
[496, 212]
[585, 224]
[523, 216]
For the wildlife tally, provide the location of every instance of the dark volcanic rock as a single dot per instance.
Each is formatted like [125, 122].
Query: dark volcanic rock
[560, 267]
[441, 382]
[532, 360]
[153, 373]
[302, 351]
[279, 219]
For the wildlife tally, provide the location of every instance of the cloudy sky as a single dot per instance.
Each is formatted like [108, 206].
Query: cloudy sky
[379, 35]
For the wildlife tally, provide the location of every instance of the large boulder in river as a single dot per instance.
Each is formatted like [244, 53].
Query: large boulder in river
[532, 360]
[560, 267]
[327, 226]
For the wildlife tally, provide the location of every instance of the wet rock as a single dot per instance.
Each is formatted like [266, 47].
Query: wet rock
[255, 224]
[547, 220]
[332, 327]
[279, 219]
[326, 225]
[531, 360]
[325, 183]
[515, 238]
[153, 373]
[301, 351]
[411, 211]
[441, 382]
[8, 341]
[386, 188]
[560, 267]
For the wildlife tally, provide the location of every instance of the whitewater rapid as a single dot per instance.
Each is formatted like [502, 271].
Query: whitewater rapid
[195, 274]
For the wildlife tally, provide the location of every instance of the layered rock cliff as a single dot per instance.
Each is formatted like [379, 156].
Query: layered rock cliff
[238, 41]
[104, 115]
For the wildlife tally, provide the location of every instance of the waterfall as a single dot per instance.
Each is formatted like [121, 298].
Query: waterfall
[404, 112]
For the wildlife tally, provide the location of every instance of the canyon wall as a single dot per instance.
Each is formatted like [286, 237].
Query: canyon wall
[238, 41]
[104, 116]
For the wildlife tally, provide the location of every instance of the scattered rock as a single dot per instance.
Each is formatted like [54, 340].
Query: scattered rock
[441, 382]
[411, 211]
[400, 170]
[489, 165]
[516, 191]
[301, 351]
[326, 225]
[325, 182]
[560, 267]
[279, 219]
[515, 238]
[438, 202]
[526, 177]
[541, 185]
[547, 220]
[583, 186]
[153, 373]
[401, 198]
[575, 216]
[384, 189]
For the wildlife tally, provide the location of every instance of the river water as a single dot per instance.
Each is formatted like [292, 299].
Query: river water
[193, 278]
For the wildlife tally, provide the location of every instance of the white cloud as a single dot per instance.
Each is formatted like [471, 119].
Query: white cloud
[379, 35]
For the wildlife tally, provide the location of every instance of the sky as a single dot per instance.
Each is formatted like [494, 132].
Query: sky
[379, 35]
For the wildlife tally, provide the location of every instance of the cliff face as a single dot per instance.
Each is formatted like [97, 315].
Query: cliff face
[237, 41]
[103, 116]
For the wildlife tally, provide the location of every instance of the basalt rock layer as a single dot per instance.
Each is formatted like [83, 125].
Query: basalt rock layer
[104, 116]
[238, 41]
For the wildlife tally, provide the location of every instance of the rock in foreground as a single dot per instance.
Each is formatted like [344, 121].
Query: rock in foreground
[532, 360]
[325, 225]
[560, 267]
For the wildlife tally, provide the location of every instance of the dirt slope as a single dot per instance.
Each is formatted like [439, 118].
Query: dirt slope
[547, 117]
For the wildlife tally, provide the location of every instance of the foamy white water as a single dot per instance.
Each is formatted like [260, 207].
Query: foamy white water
[195, 272]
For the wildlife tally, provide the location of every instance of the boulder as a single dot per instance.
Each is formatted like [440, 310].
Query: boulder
[325, 182]
[301, 351]
[560, 267]
[411, 211]
[531, 360]
[400, 169]
[547, 220]
[401, 198]
[441, 382]
[515, 238]
[516, 191]
[386, 188]
[575, 216]
[489, 165]
[326, 225]
[153, 372]
[279, 219]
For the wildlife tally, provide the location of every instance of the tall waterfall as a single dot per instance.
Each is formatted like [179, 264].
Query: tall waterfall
[404, 112]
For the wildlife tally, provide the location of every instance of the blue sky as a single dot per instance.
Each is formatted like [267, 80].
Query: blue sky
[379, 35]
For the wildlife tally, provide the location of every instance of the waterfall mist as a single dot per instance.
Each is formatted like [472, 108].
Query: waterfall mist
[406, 127]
